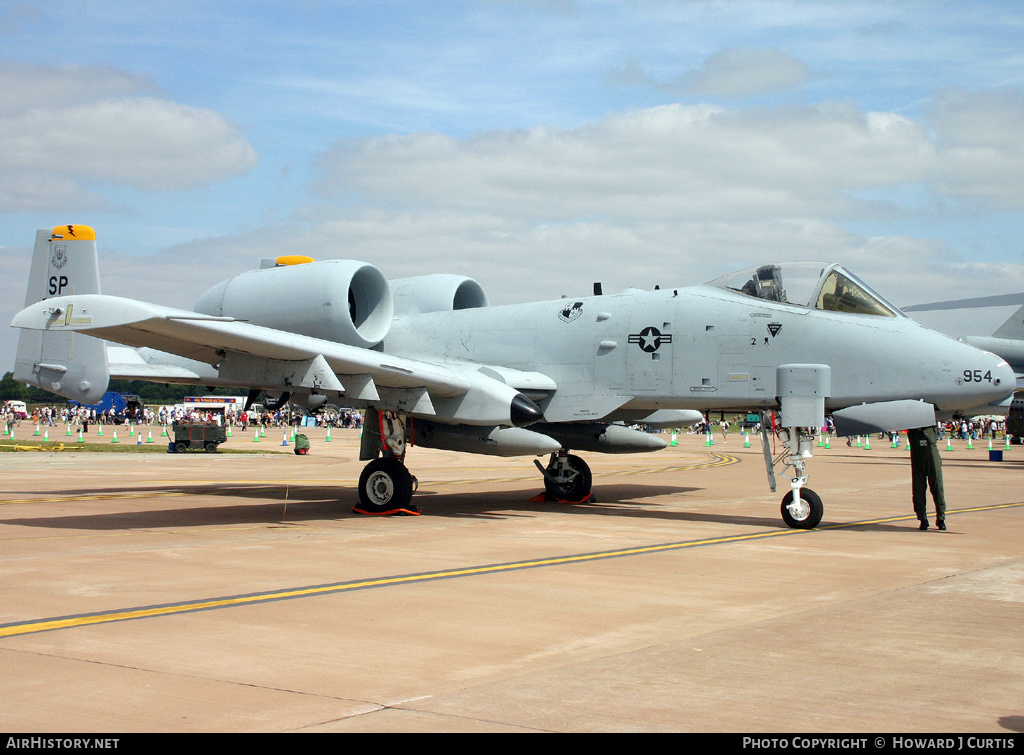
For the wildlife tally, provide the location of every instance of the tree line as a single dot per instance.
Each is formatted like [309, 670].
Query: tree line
[150, 393]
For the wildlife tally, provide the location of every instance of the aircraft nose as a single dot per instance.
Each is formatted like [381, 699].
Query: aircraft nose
[1005, 377]
[995, 383]
[970, 381]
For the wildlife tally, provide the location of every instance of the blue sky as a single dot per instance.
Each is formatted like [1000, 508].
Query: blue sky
[535, 146]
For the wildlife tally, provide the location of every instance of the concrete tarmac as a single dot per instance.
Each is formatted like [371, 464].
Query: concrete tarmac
[237, 592]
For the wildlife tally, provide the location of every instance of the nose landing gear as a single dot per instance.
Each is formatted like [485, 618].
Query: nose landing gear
[801, 507]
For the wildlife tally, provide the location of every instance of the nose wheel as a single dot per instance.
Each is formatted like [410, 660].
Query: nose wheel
[801, 507]
[804, 513]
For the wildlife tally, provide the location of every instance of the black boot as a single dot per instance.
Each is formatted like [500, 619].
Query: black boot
[924, 524]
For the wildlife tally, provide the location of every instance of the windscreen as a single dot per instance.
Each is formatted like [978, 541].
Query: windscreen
[840, 292]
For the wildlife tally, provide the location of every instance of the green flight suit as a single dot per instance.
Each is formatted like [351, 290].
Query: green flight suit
[926, 467]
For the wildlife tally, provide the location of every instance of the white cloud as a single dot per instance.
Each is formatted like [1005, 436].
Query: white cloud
[669, 162]
[982, 152]
[731, 72]
[64, 131]
[672, 195]
[702, 162]
[517, 261]
[28, 86]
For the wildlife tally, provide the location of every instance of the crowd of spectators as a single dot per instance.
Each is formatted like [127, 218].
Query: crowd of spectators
[974, 429]
[80, 417]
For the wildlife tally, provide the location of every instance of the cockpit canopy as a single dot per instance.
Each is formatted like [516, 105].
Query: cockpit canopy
[810, 284]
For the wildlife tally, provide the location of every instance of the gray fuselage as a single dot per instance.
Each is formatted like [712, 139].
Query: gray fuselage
[703, 348]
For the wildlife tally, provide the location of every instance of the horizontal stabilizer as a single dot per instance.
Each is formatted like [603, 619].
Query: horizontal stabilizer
[128, 364]
[160, 373]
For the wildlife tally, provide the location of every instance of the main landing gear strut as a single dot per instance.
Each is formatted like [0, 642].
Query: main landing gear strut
[385, 485]
[566, 477]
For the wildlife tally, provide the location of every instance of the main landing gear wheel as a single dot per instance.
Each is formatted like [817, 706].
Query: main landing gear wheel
[808, 513]
[572, 479]
[385, 487]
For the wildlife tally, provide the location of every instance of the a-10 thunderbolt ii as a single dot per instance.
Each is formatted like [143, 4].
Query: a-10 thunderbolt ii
[434, 365]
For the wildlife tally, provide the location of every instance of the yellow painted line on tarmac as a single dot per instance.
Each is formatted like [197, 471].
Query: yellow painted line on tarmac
[170, 609]
[47, 625]
[904, 518]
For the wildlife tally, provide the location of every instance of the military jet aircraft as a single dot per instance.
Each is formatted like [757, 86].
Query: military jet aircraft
[435, 365]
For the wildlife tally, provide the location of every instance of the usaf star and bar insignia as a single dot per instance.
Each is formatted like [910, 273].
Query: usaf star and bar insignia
[650, 339]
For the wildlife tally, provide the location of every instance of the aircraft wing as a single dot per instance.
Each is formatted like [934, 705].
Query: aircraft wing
[254, 356]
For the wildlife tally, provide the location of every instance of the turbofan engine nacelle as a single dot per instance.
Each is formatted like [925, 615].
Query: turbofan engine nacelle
[436, 293]
[345, 301]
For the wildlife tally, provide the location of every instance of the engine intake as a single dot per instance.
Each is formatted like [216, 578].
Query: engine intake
[436, 293]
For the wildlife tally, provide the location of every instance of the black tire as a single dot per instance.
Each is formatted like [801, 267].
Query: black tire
[813, 510]
[384, 485]
[181, 447]
[211, 448]
[577, 485]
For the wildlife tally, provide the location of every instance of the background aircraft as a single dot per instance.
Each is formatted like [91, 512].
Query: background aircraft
[1008, 339]
[434, 365]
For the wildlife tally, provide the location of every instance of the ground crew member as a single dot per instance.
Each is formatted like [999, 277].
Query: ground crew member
[926, 468]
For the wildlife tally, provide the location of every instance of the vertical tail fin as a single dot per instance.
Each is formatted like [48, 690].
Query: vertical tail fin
[72, 364]
[1012, 328]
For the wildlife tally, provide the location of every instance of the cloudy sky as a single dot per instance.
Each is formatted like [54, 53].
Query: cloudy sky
[535, 145]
